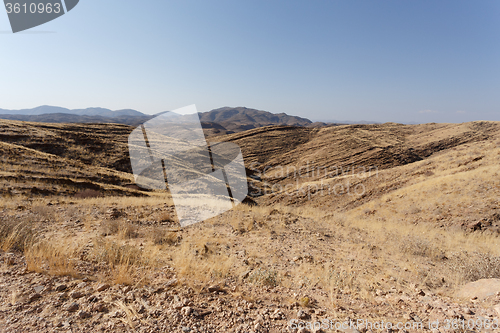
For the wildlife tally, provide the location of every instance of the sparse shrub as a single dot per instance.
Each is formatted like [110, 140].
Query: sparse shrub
[162, 236]
[165, 217]
[341, 279]
[265, 277]
[305, 302]
[110, 227]
[475, 266]
[124, 229]
[45, 212]
[418, 247]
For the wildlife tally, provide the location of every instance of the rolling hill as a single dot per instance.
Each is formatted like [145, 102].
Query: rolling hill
[382, 222]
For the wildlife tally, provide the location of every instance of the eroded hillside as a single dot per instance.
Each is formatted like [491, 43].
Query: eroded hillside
[365, 222]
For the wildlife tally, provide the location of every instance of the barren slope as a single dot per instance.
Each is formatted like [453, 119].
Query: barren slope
[392, 243]
[63, 159]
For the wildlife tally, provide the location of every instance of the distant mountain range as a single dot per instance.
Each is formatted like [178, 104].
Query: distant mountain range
[219, 121]
[54, 114]
[46, 109]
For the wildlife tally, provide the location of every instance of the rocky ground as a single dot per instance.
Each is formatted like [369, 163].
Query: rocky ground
[167, 302]
[426, 226]
[43, 303]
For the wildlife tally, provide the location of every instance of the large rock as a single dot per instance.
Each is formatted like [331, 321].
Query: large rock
[480, 289]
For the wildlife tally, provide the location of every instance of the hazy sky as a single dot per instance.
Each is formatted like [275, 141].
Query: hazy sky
[382, 60]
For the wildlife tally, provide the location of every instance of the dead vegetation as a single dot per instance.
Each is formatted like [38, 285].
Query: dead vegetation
[430, 224]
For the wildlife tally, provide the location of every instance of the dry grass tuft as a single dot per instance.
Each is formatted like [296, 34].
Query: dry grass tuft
[197, 263]
[130, 313]
[126, 264]
[55, 259]
[123, 274]
[115, 254]
[125, 230]
[16, 234]
[160, 236]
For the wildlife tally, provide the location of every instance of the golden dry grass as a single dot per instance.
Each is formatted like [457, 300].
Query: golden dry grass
[53, 258]
[406, 232]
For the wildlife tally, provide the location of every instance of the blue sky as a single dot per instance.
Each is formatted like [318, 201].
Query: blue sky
[400, 61]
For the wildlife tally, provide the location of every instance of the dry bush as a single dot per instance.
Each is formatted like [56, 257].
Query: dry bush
[341, 280]
[110, 227]
[419, 247]
[47, 213]
[123, 229]
[265, 277]
[305, 302]
[165, 217]
[161, 236]
[475, 266]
